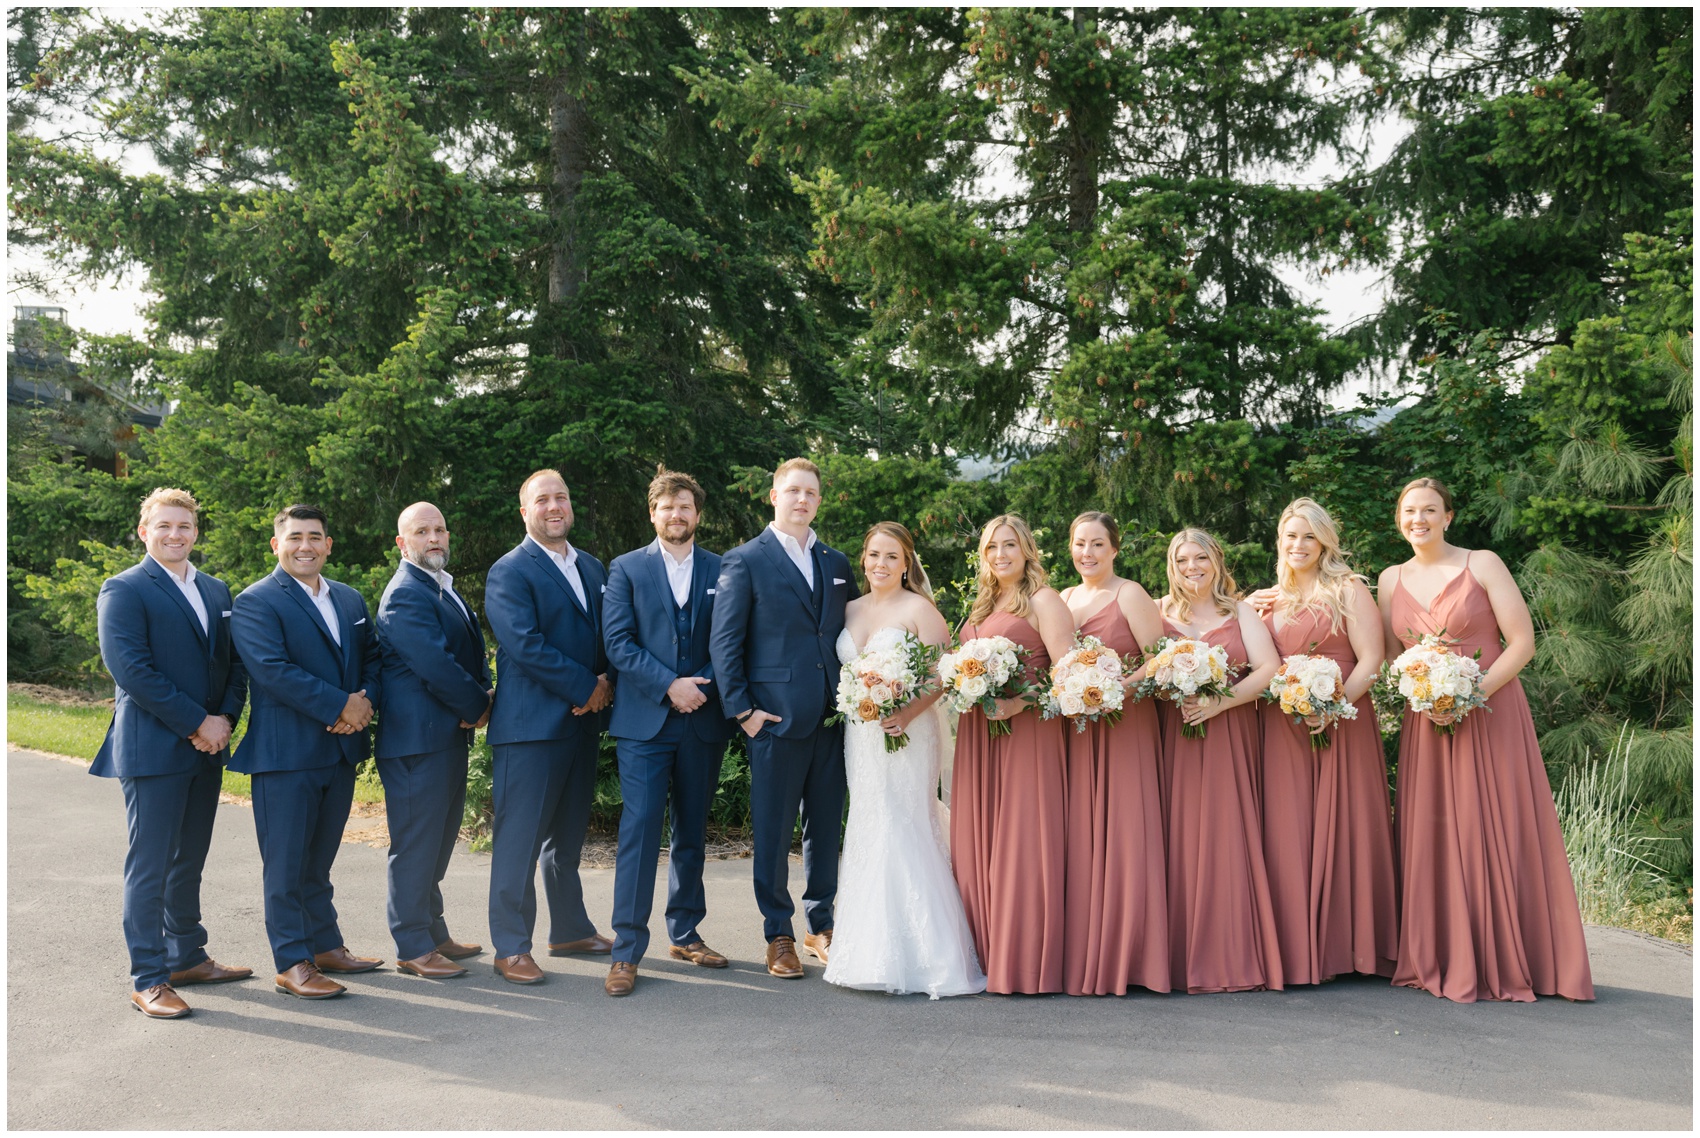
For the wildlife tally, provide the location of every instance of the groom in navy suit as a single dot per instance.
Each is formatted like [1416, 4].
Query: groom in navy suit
[165, 638]
[544, 602]
[436, 693]
[666, 723]
[777, 616]
[313, 671]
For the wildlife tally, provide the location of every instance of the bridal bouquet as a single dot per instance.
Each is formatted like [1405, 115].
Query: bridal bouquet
[980, 673]
[1311, 685]
[881, 681]
[1086, 684]
[1432, 677]
[1180, 666]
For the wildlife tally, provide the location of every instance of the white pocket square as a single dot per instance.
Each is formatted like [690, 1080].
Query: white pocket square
[226, 612]
[838, 580]
[604, 588]
[710, 593]
[359, 622]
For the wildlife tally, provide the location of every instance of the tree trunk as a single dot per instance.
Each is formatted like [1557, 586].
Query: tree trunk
[569, 146]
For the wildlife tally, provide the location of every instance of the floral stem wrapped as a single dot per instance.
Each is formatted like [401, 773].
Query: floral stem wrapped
[1433, 677]
[1086, 684]
[983, 671]
[1308, 686]
[1179, 666]
[882, 681]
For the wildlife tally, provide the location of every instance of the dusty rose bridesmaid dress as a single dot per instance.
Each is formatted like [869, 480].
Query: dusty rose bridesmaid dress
[1116, 907]
[1488, 909]
[1008, 817]
[1328, 828]
[1221, 921]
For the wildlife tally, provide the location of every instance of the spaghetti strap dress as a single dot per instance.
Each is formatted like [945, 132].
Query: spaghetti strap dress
[1008, 822]
[1328, 827]
[1487, 905]
[1116, 905]
[1222, 934]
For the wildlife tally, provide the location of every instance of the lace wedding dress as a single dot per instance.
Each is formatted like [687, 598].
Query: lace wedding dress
[899, 923]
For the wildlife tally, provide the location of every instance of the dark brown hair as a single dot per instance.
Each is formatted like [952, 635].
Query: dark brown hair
[1103, 519]
[668, 483]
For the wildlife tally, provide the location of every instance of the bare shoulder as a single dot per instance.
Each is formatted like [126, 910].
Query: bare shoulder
[1488, 565]
[1050, 601]
[1132, 590]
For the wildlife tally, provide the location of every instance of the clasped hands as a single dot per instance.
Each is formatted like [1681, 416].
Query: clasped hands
[356, 714]
[489, 704]
[212, 736]
[1198, 709]
[600, 698]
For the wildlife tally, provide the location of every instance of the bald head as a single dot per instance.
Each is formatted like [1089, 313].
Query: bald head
[423, 536]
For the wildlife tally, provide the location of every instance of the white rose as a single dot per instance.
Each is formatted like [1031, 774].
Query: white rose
[974, 687]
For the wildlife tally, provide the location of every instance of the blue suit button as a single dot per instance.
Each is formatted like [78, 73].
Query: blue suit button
[820, 665]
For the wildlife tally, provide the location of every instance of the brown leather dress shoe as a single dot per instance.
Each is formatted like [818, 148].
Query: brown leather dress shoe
[818, 944]
[622, 978]
[432, 966]
[698, 953]
[593, 945]
[782, 958]
[209, 971]
[519, 969]
[305, 980]
[160, 1002]
[454, 950]
[341, 960]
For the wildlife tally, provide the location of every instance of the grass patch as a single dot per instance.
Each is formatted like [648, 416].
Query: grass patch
[62, 729]
[78, 730]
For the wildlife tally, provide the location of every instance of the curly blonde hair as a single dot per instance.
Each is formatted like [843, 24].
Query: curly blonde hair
[1224, 593]
[1334, 574]
[1033, 578]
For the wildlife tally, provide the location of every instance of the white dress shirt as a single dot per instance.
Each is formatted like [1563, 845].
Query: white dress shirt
[322, 601]
[568, 566]
[799, 554]
[678, 572]
[186, 585]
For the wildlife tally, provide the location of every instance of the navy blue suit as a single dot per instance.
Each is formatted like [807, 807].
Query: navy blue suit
[303, 776]
[170, 675]
[652, 641]
[435, 678]
[775, 647]
[548, 656]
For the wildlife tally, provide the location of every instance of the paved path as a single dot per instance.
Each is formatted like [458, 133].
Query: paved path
[695, 1049]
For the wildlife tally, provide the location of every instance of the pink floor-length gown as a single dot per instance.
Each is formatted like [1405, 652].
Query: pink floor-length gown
[1328, 827]
[1221, 921]
[1488, 908]
[1008, 819]
[1116, 905]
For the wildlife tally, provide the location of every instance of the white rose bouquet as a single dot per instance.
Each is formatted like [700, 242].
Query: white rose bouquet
[980, 673]
[1311, 685]
[1432, 677]
[883, 680]
[1085, 685]
[1180, 666]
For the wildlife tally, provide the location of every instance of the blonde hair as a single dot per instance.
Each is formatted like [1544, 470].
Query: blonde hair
[914, 576]
[167, 496]
[1334, 575]
[533, 477]
[1224, 593]
[802, 464]
[1033, 578]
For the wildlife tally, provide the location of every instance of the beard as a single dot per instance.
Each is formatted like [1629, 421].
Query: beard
[436, 560]
[677, 533]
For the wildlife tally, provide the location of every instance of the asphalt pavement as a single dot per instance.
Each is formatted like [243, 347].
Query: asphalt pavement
[697, 1049]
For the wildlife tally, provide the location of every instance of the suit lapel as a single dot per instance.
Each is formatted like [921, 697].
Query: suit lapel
[546, 566]
[160, 575]
[299, 595]
[787, 570]
[215, 615]
[699, 585]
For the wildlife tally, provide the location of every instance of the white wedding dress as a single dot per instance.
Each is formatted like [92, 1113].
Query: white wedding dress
[899, 925]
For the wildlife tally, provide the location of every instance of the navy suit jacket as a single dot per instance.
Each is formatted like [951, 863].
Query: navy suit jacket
[435, 672]
[169, 673]
[298, 678]
[642, 643]
[769, 648]
[548, 646]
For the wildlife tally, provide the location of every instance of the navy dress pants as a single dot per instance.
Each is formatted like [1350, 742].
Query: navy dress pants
[170, 819]
[786, 774]
[541, 804]
[424, 799]
[299, 817]
[678, 765]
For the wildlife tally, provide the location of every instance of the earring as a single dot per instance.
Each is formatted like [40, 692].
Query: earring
[906, 576]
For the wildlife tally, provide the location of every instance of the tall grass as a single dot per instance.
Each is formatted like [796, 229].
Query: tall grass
[1614, 864]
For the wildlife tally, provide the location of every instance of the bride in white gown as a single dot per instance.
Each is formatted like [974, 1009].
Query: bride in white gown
[899, 923]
